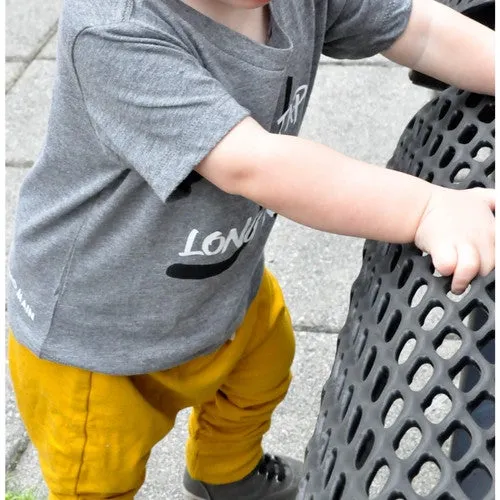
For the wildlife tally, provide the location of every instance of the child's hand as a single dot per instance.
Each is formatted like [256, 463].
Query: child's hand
[458, 230]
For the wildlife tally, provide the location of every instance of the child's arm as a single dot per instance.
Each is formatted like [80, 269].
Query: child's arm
[321, 188]
[318, 187]
[449, 46]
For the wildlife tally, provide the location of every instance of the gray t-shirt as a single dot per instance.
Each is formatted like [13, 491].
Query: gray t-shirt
[125, 260]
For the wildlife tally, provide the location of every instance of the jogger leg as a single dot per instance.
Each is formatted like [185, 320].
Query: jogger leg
[226, 432]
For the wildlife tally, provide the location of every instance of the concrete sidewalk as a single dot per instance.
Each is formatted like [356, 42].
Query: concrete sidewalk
[360, 108]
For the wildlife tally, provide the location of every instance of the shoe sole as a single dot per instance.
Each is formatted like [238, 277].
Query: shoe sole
[190, 496]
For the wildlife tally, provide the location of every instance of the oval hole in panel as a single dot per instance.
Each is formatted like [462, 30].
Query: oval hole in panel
[405, 348]
[363, 338]
[355, 421]
[486, 347]
[392, 410]
[325, 441]
[473, 100]
[467, 134]
[347, 401]
[474, 315]
[431, 317]
[475, 479]
[426, 478]
[444, 109]
[455, 120]
[438, 408]
[398, 250]
[380, 383]
[456, 442]
[419, 378]
[393, 325]
[384, 304]
[447, 157]
[426, 136]
[460, 173]
[448, 344]
[407, 442]
[332, 459]
[435, 145]
[376, 290]
[487, 114]
[490, 290]
[482, 152]
[370, 360]
[465, 375]
[482, 410]
[365, 448]
[339, 487]
[417, 293]
[405, 273]
[377, 480]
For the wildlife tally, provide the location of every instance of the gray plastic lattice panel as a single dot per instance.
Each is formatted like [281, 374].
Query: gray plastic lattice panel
[480, 10]
[408, 411]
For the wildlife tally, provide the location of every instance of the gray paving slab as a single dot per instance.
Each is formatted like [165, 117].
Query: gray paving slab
[377, 60]
[316, 271]
[12, 72]
[49, 50]
[29, 24]
[26, 113]
[292, 426]
[362, 111]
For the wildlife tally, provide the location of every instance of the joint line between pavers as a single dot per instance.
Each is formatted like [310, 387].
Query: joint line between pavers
[301, 327]
[13, 458]
[28, 60]
[19, 164]
[369, 64]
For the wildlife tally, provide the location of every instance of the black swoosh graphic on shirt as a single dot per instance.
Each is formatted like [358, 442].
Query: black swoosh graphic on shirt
[288, 93]
[202, 271]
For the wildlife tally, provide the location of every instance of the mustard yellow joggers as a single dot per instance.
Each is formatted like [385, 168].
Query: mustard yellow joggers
[94, 432]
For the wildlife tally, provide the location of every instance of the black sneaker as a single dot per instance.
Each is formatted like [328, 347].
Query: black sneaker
[274, 478]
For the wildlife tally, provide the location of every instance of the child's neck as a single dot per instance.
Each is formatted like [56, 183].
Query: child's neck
[253, 23]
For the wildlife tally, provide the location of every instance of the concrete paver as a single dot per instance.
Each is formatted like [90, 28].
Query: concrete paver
[362, 111]
[376, 60]
[12, 72]
[28, 25]
[26, 109]
[316, 271]
[49, 50]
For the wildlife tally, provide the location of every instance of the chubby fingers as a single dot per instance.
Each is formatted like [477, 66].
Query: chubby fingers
[468, 267]
[445, 259]
[465, 262]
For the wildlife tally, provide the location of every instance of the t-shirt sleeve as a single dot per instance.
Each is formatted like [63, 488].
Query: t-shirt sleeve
[152, 103]
[363, 28]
